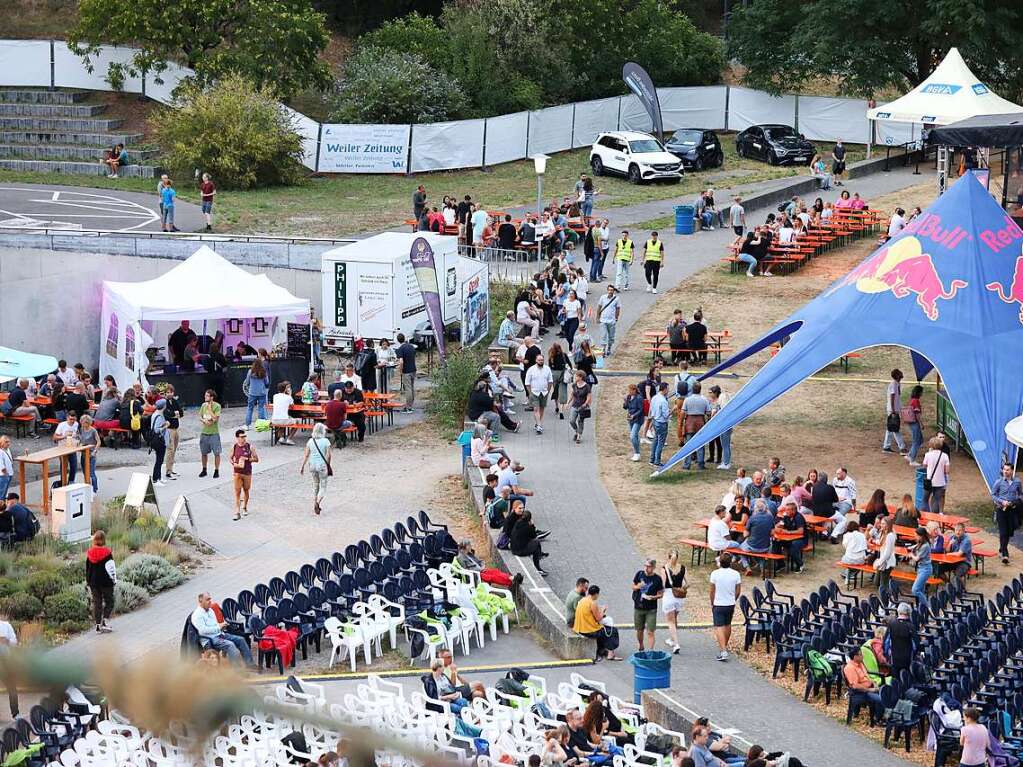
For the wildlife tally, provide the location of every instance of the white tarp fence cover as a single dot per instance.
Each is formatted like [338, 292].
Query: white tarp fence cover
[69, 71]
[550, 130]
[441, 146]
[747, 107]
[593, 118]
[25, 62]
[702, 107]
[364, 148]
[823, 119]
[506, 138]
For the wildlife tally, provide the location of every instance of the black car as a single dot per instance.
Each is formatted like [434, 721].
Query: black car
[777, 144]
[696, 148]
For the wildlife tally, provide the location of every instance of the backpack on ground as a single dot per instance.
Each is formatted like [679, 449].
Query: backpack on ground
[495, 517]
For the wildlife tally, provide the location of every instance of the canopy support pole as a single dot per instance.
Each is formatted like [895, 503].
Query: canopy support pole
[870, 137]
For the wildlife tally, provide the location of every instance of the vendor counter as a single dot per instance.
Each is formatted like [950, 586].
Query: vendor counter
[190, 387]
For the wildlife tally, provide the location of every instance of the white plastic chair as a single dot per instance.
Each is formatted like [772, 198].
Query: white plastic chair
[343, 643]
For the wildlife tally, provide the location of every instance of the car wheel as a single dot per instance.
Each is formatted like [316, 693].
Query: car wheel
[634, 176]
[698, 165]
[597, 165]
[772, 158]
[739, 150]
[720, 159]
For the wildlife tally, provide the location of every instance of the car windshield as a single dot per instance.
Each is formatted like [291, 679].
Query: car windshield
[645, 145]
[688, 137]
[781, 132]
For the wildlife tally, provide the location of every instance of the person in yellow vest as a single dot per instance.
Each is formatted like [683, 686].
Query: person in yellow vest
[623, 260]
[653, 257]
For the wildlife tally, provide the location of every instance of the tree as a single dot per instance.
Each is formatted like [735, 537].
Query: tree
[270, 42]
[415, 34]
[876, 44]
[234, 130]
[384, 86]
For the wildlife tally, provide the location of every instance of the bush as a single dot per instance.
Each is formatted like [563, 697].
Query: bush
[44, 584]
[21, 607]
[419, 35]
[80, 591]
[451, 386]
[64, 607]
[10, 586]
[234, 131]
[154, 574]
[169, 552]
[387, 86]
[128, 597]
[73, 570]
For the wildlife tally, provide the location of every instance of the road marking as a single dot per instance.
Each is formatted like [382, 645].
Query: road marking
[734, 732]
[542, 590]
[49, 210]
[56, 196]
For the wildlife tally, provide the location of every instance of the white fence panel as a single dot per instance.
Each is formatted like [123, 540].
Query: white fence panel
[69, 69]
[746, 108]
[550, 130]
[702, 107]
[25, 62]
[171, 77]
[895, 134]
[442, 146]
[593, 118]
[827, 119]
[634, 116]
[364, 148]
[506, 138]
[309, 130]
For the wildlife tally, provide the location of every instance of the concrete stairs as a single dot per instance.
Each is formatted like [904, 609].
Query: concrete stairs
[59, 131]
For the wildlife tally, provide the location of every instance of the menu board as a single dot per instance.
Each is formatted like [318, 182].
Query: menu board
[298, 340]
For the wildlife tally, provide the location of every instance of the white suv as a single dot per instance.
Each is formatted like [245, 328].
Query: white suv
[638, 156]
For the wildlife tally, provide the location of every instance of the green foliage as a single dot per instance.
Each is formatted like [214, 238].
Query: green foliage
[419, 35]
[8, 563]
[387, 86]
[20, 607]
[153, 573]
[169, 552]
[10, 586]
[783, 45]
[43, 584]
[65, 606]
[271, 42]
[452, 383]
[232, 130]
[128, 597]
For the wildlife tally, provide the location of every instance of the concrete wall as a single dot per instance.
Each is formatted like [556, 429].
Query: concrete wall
[51, 300]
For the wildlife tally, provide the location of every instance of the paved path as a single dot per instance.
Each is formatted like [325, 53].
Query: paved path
[588, 538]
[30, 207]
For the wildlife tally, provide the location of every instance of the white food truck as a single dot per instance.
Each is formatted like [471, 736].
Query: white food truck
[370, 290]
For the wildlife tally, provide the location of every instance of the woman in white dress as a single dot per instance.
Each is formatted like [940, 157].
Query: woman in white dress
[674, 600]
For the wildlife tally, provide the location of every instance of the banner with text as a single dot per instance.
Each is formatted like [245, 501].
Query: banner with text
[364, 148]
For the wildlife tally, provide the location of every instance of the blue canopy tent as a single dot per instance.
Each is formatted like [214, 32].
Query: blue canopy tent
[15, 364]
[949, 287]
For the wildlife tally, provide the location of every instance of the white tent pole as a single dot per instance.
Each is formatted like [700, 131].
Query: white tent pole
[870, 136]
[312, 360]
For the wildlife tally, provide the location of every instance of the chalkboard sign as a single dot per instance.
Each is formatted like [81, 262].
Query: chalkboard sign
[298, 340]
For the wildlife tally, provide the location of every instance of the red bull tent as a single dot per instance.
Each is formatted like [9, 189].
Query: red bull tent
[949, 287]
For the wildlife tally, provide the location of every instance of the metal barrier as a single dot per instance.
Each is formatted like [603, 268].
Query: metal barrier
[513, 266]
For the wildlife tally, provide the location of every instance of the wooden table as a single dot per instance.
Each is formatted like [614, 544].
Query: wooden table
[42, 458]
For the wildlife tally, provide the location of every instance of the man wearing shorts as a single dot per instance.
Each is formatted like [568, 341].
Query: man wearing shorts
[209, 434]
[208, 190]
[539, 384]
[725, 586]
[647, 588]
[243, 455]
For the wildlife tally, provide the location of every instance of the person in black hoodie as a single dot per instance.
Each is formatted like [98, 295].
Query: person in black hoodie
[524, 541]
[481, 404]
[100, 576]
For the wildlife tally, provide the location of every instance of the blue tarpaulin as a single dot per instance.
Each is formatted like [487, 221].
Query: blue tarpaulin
[949, 288]
[15, 364]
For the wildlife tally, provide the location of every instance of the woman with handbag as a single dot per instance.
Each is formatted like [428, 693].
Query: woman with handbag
[317, 455]
[674, 598]
[582, 399]
[911, 414]
[936, 477]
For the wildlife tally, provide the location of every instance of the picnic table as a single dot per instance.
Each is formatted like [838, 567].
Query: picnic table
[42, 458]
[656, 342]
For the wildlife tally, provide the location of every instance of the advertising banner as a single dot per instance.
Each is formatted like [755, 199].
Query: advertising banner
[639, 82]
[476, 308]
[364, 148]
[421, 256]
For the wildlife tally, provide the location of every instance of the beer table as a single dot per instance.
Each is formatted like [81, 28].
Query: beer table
[42, 459]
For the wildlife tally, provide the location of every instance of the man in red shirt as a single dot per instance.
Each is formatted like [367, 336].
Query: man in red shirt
[208, 190]
[336, 411]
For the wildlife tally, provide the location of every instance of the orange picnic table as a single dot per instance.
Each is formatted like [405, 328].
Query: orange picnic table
[42, 458]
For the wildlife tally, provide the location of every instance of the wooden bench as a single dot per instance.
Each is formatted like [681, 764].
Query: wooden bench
[856, 572]
[766, 556]
[659, 350]
[21, 423]
[349, 431]
[908, 577]
[699, 549]
[299, 426]
[107, 433]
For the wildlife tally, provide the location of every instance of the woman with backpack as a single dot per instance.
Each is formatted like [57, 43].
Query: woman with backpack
[158, 437]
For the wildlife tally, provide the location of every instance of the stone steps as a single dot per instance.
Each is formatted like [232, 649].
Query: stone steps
[33, 96]
[75, 168]
[20, 109]
[85, 138]
[59, 124]
[65, 152]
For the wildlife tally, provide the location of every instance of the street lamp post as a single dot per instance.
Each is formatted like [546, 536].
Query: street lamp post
[540, 166]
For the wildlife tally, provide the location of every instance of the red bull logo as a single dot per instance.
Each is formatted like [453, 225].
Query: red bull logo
[1015, 292]
[904, 269]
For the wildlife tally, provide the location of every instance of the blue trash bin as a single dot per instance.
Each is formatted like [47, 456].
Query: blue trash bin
[921, 474]
[465, 441]
[651, 669]
[684, 215]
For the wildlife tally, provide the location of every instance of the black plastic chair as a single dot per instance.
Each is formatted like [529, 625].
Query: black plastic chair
[246, 602]
[786, 651]
[352, 558]
[307, 573]
[756, 624]
[365, 553]
[292, 583]
[427, 525]
[236, 621]
[277, 588]
[262, 595]
[55, 736]
[264, 657]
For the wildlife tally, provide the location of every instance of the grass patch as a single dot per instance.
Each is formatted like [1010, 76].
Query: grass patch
[335, 206]
[39, 19]
[655, 224]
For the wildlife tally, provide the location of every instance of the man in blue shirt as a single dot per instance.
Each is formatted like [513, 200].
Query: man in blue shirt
[791, 521]
[508, 332]
[758, 532]
[1008, 497]
[24, 527]
[659, 414]
[960, 542]
[167, 195]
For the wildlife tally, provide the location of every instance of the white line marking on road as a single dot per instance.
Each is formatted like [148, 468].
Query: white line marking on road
[56, 196]
[544, 591]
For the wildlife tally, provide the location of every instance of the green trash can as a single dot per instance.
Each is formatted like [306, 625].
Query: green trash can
[651, 669]
[465, 443]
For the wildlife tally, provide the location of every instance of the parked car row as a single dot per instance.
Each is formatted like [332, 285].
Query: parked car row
[640, 157]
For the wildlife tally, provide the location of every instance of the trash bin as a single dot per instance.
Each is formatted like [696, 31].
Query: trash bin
[921, 474]
[684, 215]
[651, 669]
[465, 441]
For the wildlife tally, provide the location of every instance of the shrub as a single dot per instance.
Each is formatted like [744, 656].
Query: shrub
[451, 386]
[8, 563]
[387, 86]
[154, 574]
[10, 586]
[415, 34]
[21, 607]
[171, 553]
[81, 592]
[73, 627]
[128, 597]
[44, 584]
[233, 130]
[65, 606]
[73, 570]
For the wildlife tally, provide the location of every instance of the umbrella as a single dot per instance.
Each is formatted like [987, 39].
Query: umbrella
[15, 364]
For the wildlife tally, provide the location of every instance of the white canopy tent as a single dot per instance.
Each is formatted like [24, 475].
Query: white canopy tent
[204, 287]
